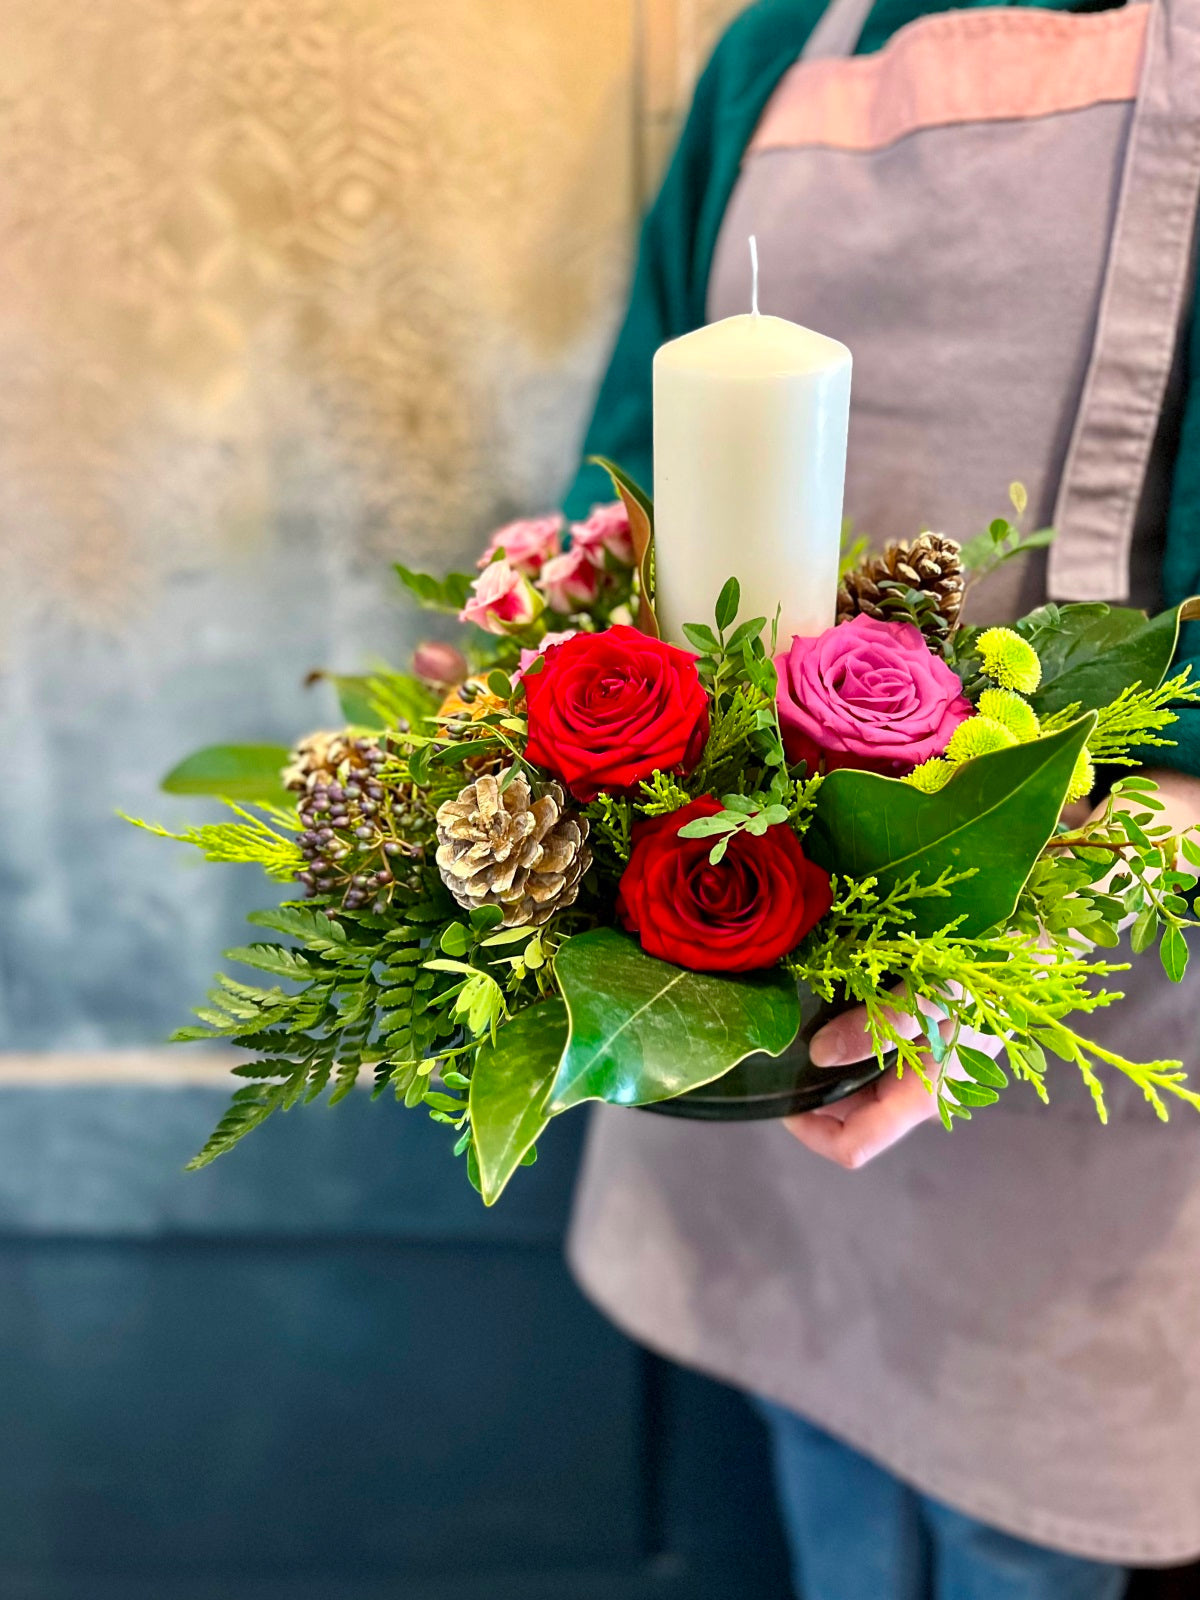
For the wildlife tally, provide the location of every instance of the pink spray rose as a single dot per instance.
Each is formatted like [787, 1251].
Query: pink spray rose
[526, 544]
[528, 657]
[867, 694]
[502, 600]
[606, 529]
[570, 581]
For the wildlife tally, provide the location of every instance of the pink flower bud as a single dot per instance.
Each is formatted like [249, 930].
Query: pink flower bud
[528, 657]
[526, 544]
[440, 664]
[606, 529]
[502, 600]
[570, 582]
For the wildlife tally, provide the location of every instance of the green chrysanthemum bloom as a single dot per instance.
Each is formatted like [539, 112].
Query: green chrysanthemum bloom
[1017, 715]
[1083, 779]
[1009, 659]
[978, 736]
[930, 776]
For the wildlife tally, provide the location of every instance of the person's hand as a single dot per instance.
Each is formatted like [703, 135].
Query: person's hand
[855, 1130]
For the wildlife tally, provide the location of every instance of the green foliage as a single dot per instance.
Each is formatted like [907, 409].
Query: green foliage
[1003, 986]
[992, 819]
[249, 772]
[1119, 868]
[267, 840]
[509, 1087]
[1135, 720]
[361, 999]
[1090, 654]
[381, 699]
[630, 1015]
[436, 594]
[1002, 540]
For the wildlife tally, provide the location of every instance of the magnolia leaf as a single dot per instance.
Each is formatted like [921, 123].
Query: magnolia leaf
[232, 772]
[641, 526]
[644, 1030]
[1090, 653]
[509, 1085]
[993, 819]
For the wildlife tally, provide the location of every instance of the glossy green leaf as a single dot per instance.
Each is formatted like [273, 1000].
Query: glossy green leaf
[1174, 953]
[640, 508]
[509, 1086]
[644, 1030]
[232, 772]
[994, 816]
[1092, 652]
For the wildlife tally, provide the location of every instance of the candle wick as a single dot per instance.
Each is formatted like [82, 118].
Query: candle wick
[754, 274]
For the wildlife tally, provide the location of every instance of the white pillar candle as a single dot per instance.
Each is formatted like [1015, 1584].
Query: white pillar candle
[750, 421]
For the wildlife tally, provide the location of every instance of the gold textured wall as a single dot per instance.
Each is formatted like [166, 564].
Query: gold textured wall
[360, 253]
[287, 288]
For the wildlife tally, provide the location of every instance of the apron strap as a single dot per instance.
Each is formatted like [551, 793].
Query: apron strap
[838, 30]
[1146, 286]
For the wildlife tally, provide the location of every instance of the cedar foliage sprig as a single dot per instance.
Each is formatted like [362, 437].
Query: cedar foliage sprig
[997, 985]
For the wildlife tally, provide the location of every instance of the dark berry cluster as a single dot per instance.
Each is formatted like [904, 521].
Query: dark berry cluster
[349, 839]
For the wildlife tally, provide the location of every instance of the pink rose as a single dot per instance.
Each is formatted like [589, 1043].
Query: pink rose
[502, 600]
[528, 657]
[570, 581]
[526, 544]
[867, 694]
[606, 529]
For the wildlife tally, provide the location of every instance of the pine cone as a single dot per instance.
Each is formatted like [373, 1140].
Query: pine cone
[915, 580]
[503, 847]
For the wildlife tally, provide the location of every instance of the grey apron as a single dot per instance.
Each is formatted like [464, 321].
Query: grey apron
[1007, 1316]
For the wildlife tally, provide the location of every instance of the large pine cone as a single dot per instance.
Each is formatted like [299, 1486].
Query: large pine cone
[502, 847]
[892, 587]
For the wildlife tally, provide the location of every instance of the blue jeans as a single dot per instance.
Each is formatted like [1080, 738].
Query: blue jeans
[857, 1533]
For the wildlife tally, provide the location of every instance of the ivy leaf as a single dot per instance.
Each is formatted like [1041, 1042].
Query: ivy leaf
[509, 1085]
[644, 1030]
[993, 819]
[232, 772]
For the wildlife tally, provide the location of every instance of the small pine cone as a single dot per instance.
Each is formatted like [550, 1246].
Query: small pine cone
[504, 847]
[929, 564]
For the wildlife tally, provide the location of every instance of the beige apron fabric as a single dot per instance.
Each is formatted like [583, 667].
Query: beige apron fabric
[1007, 1316]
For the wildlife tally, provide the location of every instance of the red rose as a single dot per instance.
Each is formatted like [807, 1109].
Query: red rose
[608, 709]
[748, 911]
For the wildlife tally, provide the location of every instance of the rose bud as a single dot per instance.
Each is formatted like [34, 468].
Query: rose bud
[526, 544]
[570, 582]
[502, 600]
[439, 664]
[605, 530]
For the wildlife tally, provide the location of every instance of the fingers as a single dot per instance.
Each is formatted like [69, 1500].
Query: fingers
[864, 1125]
[845, 1038]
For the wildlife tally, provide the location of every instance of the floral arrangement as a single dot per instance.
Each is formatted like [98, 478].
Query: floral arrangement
[574, 862]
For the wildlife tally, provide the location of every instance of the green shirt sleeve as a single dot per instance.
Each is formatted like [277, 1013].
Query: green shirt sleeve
[1181, 563]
